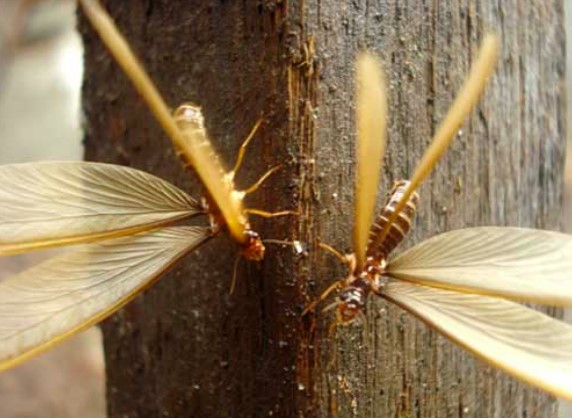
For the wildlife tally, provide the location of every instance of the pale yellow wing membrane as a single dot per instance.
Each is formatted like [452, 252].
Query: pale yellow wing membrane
[519, 263]
[196, 148]
[58, 298]
[371, 115]
[464, 103]
[51, 204]
[525, 343]
[218, 182]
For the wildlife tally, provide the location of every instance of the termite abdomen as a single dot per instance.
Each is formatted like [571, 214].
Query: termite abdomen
[379, 247]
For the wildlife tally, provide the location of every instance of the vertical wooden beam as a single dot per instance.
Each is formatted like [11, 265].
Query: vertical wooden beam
[186, 347]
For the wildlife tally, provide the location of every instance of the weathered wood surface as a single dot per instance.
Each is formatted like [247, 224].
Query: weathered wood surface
[187, 348]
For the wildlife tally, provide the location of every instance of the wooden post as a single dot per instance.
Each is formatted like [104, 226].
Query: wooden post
[187, 347]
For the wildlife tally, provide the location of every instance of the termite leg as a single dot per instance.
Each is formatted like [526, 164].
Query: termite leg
[265, 214]
[333, 251]
[242, 148]
[262, 179]
[336, 286]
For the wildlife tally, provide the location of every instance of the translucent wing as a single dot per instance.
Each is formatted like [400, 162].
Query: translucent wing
[196, 148]
[527, 344]
[58, 298]
[210, 169]
[371, 112]
[53, 203]
[464, 103]
[519, 263]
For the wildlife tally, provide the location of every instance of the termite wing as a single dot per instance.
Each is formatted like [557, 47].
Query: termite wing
[461, 283]
[120, 215]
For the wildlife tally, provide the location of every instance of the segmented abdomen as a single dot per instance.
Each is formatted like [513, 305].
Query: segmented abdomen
[197, 145]
[397, 231]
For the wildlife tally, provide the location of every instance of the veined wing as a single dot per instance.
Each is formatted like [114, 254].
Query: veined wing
[371, 113]
[57, 203]
[464, 103]
[525, 343]
[196, 148]
[209, 167]
[56, 299]
[519, 263]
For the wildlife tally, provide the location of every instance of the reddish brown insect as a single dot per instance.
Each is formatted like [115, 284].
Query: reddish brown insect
[457, 282]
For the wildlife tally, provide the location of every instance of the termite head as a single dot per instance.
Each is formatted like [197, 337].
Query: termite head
[352, 299]
[351, 302]
[253, 248]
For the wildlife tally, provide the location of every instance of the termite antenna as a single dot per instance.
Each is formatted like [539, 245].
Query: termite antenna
[298, 246]
[335, 286]
[332, 305]
[279, 242]
[262, 179]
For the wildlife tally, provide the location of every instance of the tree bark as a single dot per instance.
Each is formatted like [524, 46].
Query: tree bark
[188, 348]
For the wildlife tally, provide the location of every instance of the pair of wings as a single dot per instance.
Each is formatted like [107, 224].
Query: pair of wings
[457, 282]
[53, 204]
[371, 115]
[194, 145]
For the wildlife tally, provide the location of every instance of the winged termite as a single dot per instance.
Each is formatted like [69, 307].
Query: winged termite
[128, 212]
[458, 282]
[188, 135]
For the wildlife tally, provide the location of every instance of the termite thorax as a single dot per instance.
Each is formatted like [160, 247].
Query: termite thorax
[251, 247]
[189, 119]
